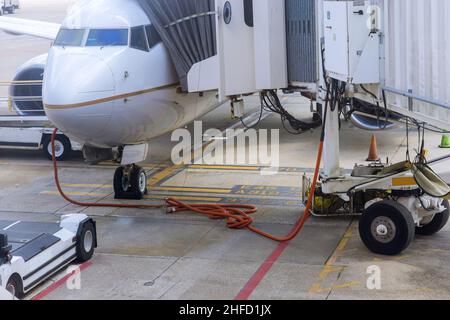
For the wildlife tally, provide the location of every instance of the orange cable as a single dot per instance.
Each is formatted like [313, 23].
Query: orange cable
[237, 216]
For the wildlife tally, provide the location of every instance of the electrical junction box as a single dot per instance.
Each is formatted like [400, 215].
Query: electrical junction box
[352, 41]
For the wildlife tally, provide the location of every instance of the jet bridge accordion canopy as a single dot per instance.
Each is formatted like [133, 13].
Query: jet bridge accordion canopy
[187, 29]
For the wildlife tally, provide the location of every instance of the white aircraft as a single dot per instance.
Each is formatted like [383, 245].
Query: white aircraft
[108, 81]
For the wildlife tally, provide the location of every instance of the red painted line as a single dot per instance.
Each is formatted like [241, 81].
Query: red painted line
[259, 275]
[60, 282]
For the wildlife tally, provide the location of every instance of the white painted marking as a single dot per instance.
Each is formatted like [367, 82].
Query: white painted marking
[12, 225]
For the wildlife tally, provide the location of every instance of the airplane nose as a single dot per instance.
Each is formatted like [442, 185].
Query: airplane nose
[78, 93]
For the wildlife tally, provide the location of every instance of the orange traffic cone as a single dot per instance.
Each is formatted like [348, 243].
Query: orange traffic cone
[373, 153]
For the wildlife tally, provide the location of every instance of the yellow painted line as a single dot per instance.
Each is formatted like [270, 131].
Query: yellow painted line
[88, 194]
[328, 270]
[179, 189]
[213, 167]
[330, 267]
[87, 185]
[147, 166]
[316, 288]
[186, 198]
[74, 193]
[406, 181]
[189, 189]
[156, 178]
[341, 247]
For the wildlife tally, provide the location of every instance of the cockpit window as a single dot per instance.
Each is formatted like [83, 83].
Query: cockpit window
[107, 37]
[152, 36]
[70, 37]
[138, 38]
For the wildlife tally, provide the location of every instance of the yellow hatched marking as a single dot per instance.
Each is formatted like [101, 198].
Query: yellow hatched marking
[180, 189]
[243, 168]
[187, 189]
[208, 199]
[156, 178]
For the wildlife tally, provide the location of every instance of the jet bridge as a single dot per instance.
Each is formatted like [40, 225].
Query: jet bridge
[238, 46]
[244, 46]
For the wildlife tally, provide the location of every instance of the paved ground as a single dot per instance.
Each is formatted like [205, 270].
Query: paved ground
[147, 254]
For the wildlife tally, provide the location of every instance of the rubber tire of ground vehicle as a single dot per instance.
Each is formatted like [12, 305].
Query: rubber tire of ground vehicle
[135, 178]
[83, 254]
[437, 224]
[47, 144]
[401, 219]
[16, 282]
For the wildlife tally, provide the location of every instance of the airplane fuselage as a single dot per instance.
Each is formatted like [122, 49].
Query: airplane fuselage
[110, 82]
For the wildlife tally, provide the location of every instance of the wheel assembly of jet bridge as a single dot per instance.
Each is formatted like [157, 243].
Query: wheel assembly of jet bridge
[351, 58]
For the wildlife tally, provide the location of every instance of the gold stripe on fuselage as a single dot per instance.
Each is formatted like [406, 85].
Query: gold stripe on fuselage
[108, 99]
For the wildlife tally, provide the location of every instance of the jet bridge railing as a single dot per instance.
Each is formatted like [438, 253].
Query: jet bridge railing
[426, 109]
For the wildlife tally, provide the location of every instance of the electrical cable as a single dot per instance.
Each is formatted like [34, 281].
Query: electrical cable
[257, 123]
[272, 103]
[237, 216]
[89, 204]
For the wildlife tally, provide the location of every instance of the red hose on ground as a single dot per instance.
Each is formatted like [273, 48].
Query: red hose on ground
[90, 204]
[237, 216]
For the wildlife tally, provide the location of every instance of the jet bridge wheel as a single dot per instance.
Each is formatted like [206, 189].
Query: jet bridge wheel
[387, 228]
[437, 224]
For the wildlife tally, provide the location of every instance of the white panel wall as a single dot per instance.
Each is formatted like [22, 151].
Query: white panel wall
[236, 51]
[270, 44]
[251, 57]
[418, 53]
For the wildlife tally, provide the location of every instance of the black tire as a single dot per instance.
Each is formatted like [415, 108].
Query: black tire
[61, 141]
[119, 183]
[138, 182]
[15, 286]
[391, 218]
[437, 224]
[86, 242]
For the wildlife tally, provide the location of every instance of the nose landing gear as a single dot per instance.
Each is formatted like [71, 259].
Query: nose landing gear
[130, 183]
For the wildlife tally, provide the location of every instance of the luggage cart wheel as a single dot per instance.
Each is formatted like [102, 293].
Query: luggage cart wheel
[63, 147]
[86, 242]
[387, 228]
[437, 224]
[15, 287]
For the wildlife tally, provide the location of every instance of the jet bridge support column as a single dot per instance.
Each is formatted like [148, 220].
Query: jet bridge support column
[331, 163]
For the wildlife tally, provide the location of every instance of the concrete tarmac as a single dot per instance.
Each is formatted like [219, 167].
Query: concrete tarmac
[149, 254]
